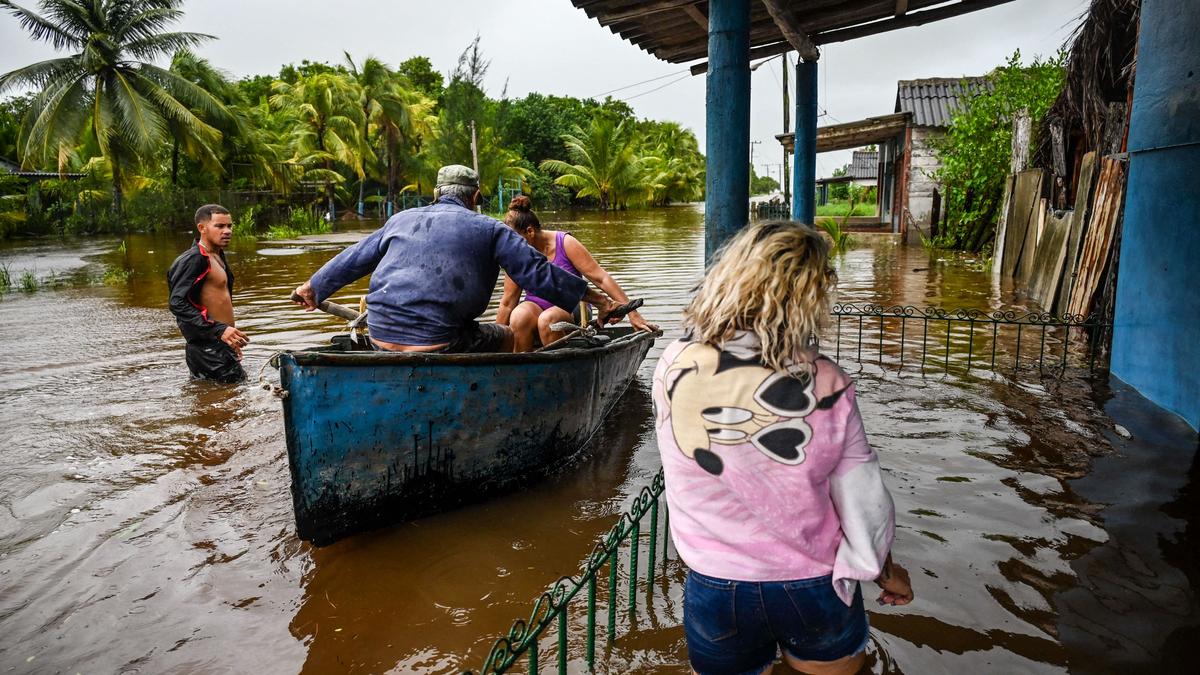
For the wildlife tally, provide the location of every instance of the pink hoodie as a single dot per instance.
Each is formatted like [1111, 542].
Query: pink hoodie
[769, 477]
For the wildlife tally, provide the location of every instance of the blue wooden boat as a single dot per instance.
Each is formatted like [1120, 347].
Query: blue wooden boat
[376, 438]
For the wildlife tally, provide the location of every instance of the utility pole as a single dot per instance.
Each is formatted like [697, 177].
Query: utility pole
[752, 144]
[475, 158]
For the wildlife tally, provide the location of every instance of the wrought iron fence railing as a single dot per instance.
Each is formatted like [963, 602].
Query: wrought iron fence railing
[553, 607]
[898, 337]
[1005, 342]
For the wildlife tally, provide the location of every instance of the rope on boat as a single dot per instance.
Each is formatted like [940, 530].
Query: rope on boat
[267, 385]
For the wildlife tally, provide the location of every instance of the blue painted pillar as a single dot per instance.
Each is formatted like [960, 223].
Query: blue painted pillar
[804, 159]
[1156, 331]
[727, 123]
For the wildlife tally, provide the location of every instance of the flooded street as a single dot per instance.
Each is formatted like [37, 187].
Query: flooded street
[146, 523]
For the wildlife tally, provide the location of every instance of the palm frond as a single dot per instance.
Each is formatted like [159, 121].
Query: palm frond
[42, 29]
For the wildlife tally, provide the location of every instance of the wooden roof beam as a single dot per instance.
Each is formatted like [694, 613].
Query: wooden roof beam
[697, 16]
[906, 21]
[901, 7]
[642, 9]
[755, 53]
[785, 19]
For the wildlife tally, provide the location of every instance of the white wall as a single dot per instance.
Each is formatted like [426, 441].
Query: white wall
[922, 165]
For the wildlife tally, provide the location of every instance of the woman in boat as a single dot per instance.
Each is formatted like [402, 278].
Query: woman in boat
[777, 502]
[530, 319]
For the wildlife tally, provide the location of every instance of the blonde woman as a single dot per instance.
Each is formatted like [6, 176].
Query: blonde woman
[777, 503]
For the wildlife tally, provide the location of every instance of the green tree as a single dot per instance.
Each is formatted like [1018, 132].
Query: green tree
[328, 118]
[12, 112]
[397, 115]
[420, 74]
[107, 88]
[186, 65]
[672, 163]
[603, 163]
[975, 153]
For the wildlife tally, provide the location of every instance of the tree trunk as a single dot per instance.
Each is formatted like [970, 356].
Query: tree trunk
[175, 163]
[118, 203]
[362, 184]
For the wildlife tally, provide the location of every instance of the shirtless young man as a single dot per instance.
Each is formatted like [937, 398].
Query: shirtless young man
[202, 299]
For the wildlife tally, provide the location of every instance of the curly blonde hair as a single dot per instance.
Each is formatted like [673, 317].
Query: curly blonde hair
[772, 279]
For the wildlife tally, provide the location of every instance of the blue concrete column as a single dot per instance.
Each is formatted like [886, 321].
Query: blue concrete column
[804, 160]
[727, 123]
[1156, 331]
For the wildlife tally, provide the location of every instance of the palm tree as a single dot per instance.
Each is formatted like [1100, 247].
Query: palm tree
[106, 88]
[673, 166]
[188, 66]
[603, 163]
[328, 119]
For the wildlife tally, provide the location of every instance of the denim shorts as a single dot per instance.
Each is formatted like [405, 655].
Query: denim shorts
[734, 627]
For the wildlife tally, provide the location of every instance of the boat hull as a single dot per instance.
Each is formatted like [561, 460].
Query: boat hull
[377, 438]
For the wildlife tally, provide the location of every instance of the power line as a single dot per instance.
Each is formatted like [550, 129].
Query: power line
[636, 84]
[681, 79]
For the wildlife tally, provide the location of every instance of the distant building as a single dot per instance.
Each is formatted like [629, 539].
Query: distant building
[863, 170]
[909, 200]
[10, 167]
[930, 103]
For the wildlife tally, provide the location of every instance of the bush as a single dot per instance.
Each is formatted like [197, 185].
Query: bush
[301, 221]
[975, 154]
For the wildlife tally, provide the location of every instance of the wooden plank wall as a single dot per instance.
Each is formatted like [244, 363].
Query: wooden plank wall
[1097, 245]
[1059, 259]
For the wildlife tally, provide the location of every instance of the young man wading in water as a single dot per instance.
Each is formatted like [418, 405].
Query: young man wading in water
[202, 300]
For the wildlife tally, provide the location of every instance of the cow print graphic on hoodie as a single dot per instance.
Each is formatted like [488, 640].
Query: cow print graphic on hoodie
[733, 398]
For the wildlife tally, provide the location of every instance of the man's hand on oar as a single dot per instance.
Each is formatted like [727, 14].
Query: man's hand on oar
[304, 296]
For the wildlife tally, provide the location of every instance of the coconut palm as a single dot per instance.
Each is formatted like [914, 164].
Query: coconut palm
[328, 118]
[188, 66]
[106, 87]
[603, 163]
[673, 166]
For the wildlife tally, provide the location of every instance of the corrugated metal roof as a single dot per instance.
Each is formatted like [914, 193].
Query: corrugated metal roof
[932, 100]
[864, 164]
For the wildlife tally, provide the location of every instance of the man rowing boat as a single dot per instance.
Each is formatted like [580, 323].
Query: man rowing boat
[433, 270]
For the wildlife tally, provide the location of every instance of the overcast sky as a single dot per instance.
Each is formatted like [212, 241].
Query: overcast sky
[549, 46]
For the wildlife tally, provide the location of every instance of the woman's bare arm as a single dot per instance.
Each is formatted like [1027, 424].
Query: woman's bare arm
[583, 261]
[508, 301]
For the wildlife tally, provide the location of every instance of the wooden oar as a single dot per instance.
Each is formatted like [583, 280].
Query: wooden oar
[332, 308]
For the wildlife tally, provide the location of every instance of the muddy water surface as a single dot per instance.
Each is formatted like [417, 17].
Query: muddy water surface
[146, 525]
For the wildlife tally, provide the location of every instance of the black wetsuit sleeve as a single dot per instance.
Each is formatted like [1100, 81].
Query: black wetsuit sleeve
[185, 278]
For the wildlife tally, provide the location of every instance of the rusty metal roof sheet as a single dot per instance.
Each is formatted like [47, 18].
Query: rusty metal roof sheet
[932, 100]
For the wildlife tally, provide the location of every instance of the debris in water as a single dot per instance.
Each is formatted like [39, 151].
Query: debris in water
[1122, 431]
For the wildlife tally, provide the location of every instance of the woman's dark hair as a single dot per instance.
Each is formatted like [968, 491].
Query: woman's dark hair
[520, 214]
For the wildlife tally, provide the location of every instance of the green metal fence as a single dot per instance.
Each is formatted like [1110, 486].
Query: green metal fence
[551, 611]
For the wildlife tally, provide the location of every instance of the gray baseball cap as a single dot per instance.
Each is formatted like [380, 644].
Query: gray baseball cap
[457, 174]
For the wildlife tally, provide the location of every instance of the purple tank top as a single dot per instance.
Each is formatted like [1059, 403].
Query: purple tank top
[561, 261]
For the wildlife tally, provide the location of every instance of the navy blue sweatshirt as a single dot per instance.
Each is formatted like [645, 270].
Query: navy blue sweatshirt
[433, 270]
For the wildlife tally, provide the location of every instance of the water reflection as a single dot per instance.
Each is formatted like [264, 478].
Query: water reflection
[146, 520]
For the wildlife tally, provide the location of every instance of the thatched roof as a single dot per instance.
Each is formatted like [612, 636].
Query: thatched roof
[1100, 61]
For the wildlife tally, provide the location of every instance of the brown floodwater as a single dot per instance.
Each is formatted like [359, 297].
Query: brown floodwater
[146, 523]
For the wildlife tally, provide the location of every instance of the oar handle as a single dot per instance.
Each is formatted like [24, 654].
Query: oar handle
[340, 311]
